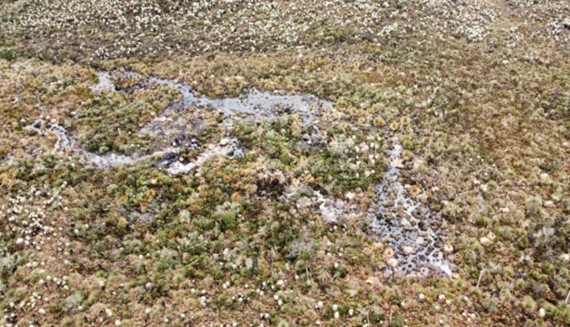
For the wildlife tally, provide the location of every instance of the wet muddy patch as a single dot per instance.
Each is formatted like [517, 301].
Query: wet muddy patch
[411, 231]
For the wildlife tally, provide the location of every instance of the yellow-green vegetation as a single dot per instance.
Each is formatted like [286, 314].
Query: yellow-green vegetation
[104, 123]
[476, 92]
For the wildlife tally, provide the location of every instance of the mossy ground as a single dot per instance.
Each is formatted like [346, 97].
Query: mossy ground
[485, 126]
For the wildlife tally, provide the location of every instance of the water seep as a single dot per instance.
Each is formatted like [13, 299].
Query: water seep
[408, 225]
[66, 143]
[259, 105]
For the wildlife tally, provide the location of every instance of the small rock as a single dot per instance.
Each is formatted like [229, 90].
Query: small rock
[408, 249]
[392, 262]
[541, 313]
[485, 241]
[548, 204]
[373, 281]
[388, 253]
[398, 163]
